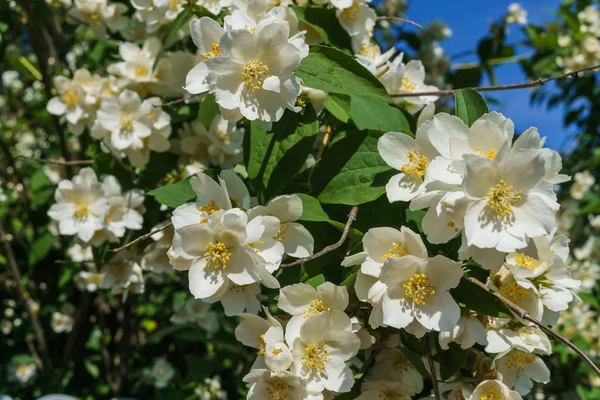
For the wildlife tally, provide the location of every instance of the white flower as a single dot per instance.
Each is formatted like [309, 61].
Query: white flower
[61, 322]
[89, 281]
[138, 63]
[275, 385]
[357, 18]
[502, 337]
[391, 365]
[162, 372]
[468, 331]
[237, 299]
[320, 353]
[79, 253]
[122, 275]
[70, 102]
[386, 390]
[369, 55]
[519, 368]
[80, 205]
[594, 221]
[155, 257]
[493, 389]
[23, 372]
[252, 76]
[200, 313]
[99, 16]
[516, 14]
[303, 302]
[583, 183]
[417, 289]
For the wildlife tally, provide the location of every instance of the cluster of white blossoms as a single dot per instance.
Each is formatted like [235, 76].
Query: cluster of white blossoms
[99, 15]
[583, 49]
[229, 251]
[309, 356]
[583, 182]
[516, 14]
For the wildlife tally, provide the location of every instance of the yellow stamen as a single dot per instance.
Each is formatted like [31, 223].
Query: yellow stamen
[492, 393]
[408, 86]
[315, 356]
[254, 74]
[261, 346]
[351, 13]
[502, 198]
[278, 390]
[397, 250]
[282, 233]
[316, 306]
[514, 292]
[490, 155]
[216, 51]
[518, 360]
[81, 209]
[526, 261]
[419, 289]
[416, 165]
[217, 255]
[69, 98]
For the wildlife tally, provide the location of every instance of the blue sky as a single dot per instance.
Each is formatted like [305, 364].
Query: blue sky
[469, 21]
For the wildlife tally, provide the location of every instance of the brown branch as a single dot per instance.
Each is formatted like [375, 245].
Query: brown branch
[537, 82]
[330, 248]
[25, 297]
[170, 103]
[402, 20]
[523, 314]
[35, 355]
[143, 237]
[57, 162]
[434, 381]
[120, 160]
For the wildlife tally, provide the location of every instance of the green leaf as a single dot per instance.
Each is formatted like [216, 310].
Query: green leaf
[450, 360]
[316, 280]
[416, 217]
[175, 194]
[176, 25]
[470, 105]
[208, 110]
[92, 368]
[40, 248]
[479, 299]
[334, 71]
[351, 172]
[312, 210]
[274, 158]
[325, 22]
[380, 213]
[338, 106]
[369, 113]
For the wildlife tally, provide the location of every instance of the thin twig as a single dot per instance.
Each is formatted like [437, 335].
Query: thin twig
[25, 296]
[57, 162]
[434, 381]
[537, 82]
[143, 237]
[523, 314]
[35, 355]
[120, 160]
[398, 19]
[332, 247]
[170, 103]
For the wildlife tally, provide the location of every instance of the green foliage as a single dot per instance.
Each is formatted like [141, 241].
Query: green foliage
[369, 113]
[324, 21]
[470, 105]
[174, 194]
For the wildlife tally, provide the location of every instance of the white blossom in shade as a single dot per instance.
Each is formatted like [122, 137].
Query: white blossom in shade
[267, 337]
[320, 352]
[418, 289]
[366, 339]
[583, 183]
[155, 257]
[409, 156]
[138, 63]
[594, 221]
[296, 239]
[493, 389]
[357, 18]
[70, 102]
[61, 322]
[122, 275]
[516, 14]
[303, 302]
[507, 205]
[219, 251]
[386, 390]
[220, 145]
[265, 384]
[586, 251]
[99, 15]
[253, 75]
[519, 369]
[214, 6]
[370, 56]
[200, 313]
[88, 281]
[237, 299]
[80, 205]
[408, 78]
[541, 267]
[6, 327]
[391, 365]
[468, 331]
[23, 372]
[502, 337]
[79, 253]
[162, 372]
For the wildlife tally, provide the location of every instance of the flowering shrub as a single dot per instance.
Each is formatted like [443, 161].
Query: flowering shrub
[265, 200]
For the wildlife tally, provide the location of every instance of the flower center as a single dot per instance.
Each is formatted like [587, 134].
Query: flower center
[526, 261]
[284, 228]
[369, 50]
[452, 224]
[316, 306]
[400, 363]
[216, 51]
[408, 85]
[261, 346]
[397, 250]
[126, 122]
[502, 198]
[518, 360]
[492, 393]
[238, 288]
[278, 390]
[141, 71]
[217, 255]
[514, 292]
[416, 165]
[490, 155]
[419, 289]
[315, 356]
[208, 209]
[81, 209]
[254, 74]
[351, 12]
[389, 394]
[173, 4]
[69, 98]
